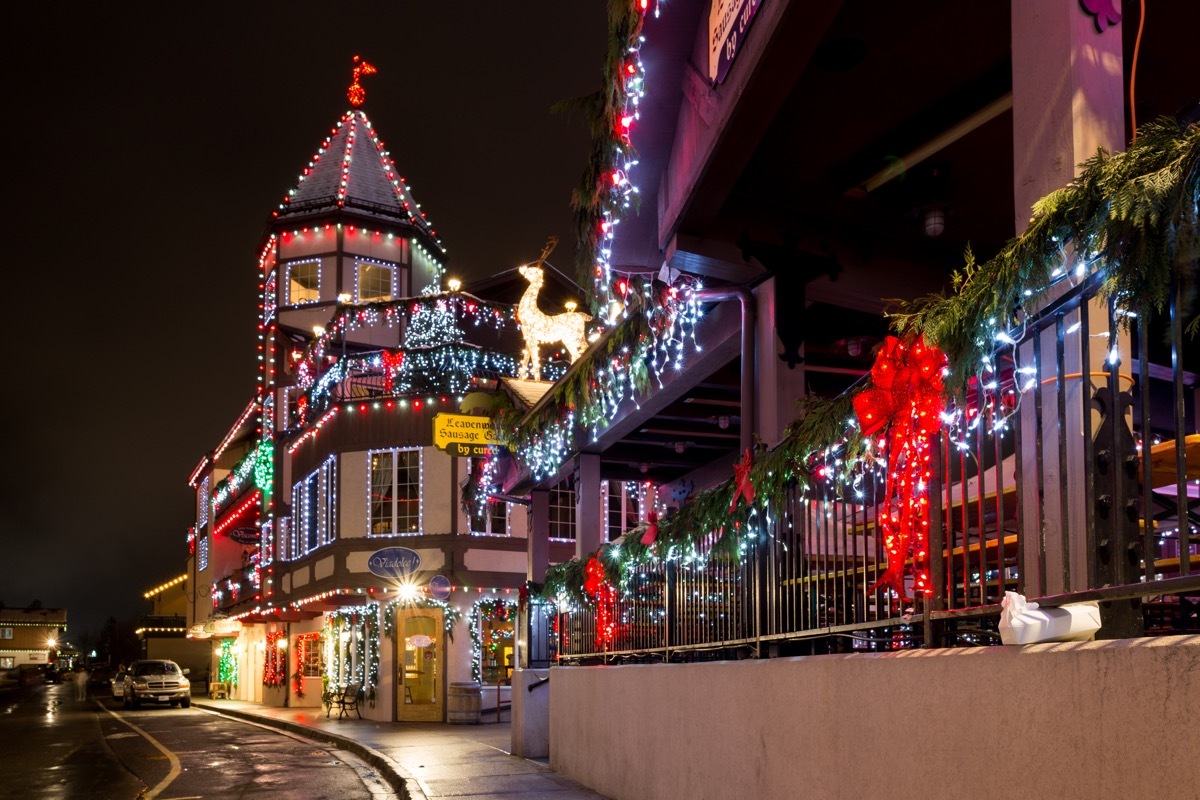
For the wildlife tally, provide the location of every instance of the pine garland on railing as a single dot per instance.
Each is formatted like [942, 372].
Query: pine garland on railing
[1133, 214]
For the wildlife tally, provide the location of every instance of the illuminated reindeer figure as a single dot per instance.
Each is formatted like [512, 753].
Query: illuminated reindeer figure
[539, 328]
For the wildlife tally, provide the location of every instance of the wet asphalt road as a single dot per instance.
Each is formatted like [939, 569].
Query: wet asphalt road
[58, 747]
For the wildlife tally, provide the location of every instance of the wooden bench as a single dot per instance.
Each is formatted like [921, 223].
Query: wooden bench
[345, 700]
[218, 689]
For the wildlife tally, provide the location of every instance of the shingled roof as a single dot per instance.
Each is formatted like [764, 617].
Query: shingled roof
[352, 170]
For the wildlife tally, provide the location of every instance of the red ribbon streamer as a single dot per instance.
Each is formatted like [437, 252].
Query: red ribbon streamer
[906, 399]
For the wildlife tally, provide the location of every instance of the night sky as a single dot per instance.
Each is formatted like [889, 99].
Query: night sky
[145, 149]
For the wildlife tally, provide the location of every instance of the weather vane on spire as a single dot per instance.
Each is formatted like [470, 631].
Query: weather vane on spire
[356, 92]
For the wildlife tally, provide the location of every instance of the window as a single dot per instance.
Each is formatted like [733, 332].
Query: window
[269, 295]
[310, 655]
[376, 281]
[394, 502]
[562, 513]
[494, 520]
[8, 662]
[621, 503]
[314, 509]
[5, 633]
[304, 282]
[203, 499]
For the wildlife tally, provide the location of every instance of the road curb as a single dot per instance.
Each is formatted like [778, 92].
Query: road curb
[402, 783]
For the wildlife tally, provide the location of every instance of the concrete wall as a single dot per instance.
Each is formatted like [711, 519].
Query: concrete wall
[1089, 720]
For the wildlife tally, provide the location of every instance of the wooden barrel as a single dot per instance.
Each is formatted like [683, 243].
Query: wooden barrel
[462, 704]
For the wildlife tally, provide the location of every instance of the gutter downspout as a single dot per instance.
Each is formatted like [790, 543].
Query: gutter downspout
[749, 342]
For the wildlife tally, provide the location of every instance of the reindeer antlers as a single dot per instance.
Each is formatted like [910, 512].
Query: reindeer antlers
[551, 243]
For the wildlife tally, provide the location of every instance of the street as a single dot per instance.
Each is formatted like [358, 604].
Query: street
[58, 747]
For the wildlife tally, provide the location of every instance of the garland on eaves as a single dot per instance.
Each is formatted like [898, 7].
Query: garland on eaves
[1133, 214]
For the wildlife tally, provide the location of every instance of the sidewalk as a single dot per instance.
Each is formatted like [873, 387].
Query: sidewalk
[422, 760]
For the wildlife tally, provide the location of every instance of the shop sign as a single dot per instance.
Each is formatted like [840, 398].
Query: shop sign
[439, 587]
[465, 435]
[244, 535]
[728, 23]
[394, 562]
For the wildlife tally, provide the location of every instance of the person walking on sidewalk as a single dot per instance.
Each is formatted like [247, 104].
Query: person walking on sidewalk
[81, 680]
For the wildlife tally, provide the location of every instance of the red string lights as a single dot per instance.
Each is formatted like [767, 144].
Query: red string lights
[905, 399]
[356, 93]
[605, 594]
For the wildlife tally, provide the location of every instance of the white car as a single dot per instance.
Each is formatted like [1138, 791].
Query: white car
[118, 685]
[156, 680]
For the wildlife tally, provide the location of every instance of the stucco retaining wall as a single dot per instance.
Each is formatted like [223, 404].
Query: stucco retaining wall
[1111, 719]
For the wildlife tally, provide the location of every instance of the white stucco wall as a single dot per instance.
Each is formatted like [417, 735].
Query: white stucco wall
[1083, 720]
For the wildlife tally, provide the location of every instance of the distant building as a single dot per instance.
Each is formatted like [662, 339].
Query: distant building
[163, 632]
[30, 636]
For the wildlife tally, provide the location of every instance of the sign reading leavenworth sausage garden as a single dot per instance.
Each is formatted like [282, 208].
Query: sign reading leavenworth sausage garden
[464, 435]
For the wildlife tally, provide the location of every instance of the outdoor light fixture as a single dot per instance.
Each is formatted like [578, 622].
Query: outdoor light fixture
[455, 284]
[935, 221]
[281, 643]
[318, 330]
[344, 297]
[723, 421]
[570, 305]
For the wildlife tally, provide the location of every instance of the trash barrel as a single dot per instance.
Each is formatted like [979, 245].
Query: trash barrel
[462, 705]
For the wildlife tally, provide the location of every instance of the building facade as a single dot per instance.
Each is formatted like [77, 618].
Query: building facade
[330, 546]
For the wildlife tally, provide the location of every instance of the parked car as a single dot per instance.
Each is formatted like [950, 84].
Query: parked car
[53, 675]
[156, 681]
[118, 685]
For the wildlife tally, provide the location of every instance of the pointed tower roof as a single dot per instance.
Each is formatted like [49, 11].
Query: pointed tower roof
[351, 170]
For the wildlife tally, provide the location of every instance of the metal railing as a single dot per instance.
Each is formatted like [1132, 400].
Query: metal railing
[1041, 488]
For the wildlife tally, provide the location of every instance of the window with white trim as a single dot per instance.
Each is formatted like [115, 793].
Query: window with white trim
[203, 500]
[304, 282]
[375, 281]
[5, 633]
[562, 513]
[394, 492]
[8, 662]
[494, 520]
[314, 509]
[621, 502]
[311, 666]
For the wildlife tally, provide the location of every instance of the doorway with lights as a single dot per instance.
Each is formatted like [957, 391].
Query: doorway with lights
[421, 646]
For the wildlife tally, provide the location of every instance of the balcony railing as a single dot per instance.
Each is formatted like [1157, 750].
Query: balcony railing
[1042, 487]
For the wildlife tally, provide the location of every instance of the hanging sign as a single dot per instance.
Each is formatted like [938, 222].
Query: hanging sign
[439, 587]
[394, 562]
[244, 535]
[728, 23]
[465, 435]
[420, 640]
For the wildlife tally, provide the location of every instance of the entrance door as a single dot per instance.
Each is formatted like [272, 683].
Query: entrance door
[420, 641]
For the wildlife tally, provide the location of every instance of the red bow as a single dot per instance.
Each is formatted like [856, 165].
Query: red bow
[742, 487]
[605, 595]
[906, 398]
[651, 533]
[391, 363]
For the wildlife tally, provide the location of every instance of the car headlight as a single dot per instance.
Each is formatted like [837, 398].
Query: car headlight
[184, 683]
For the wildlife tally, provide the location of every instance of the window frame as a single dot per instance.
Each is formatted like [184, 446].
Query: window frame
[561, 522]
[392, 293]
[314, 510]
[290, 265]
[373, 519]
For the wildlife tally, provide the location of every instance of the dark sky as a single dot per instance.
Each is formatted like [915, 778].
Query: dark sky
[145, 148]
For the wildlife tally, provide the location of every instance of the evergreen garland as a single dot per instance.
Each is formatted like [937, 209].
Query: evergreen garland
[1132, 214]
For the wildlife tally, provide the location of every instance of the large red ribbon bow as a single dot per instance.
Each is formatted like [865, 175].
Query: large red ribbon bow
[906, 399]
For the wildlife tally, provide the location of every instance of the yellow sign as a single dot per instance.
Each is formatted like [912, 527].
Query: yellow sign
[464, 435]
